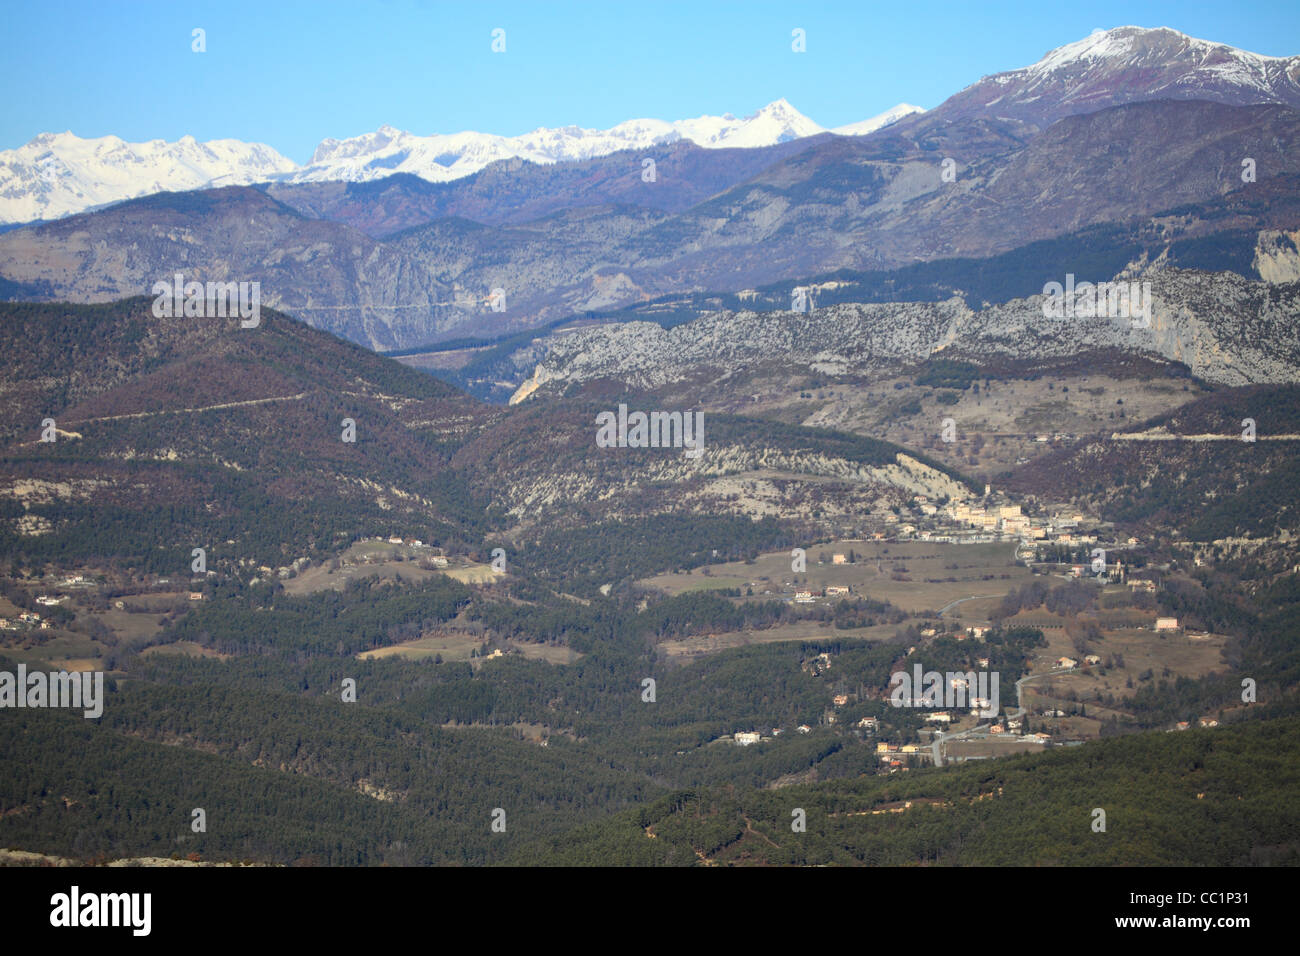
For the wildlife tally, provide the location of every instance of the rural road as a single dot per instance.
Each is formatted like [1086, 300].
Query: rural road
[940, 739]
[973, 597]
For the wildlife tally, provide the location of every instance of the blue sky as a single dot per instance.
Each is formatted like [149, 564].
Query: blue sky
[292, 73]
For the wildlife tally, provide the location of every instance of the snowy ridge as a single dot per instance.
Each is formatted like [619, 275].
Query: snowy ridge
[887, 118]
[1159, 61]
[440, 158]
[57, 175]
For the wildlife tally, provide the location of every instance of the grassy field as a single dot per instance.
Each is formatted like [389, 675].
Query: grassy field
[473, 574]
[681, 583]
[695, 647]
[321, 578]
[55, 646]
[184, 649]
[134, 625]
[915, 576]
[131, 627]
[455, 646]
[551, 653]
[380, 559]
[1141, 649]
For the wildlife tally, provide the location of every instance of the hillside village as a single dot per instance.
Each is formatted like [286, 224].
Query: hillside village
[1054, 545]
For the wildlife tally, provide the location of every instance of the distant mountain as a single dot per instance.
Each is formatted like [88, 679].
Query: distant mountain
[1126, 65]
[861, 203]
[1225, 328]
[844, 203]
[887, 118]
[518, 191]
[442, 158]
[56, 175]
[307, 266]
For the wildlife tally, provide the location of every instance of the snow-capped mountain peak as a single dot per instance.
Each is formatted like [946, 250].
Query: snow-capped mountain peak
[1132, 47]
[887, 118]
[1124, 65]
[1130, 42]
[443, 157]
[57, 174]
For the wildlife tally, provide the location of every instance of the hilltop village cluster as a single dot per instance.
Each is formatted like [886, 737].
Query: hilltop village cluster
[990, 519]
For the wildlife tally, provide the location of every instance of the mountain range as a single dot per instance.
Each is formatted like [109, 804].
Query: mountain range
[1196, 320]
[57, 175]
[594, 236]
[1125, 126]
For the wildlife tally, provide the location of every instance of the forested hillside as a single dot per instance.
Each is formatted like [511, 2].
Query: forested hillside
[1199, 798]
